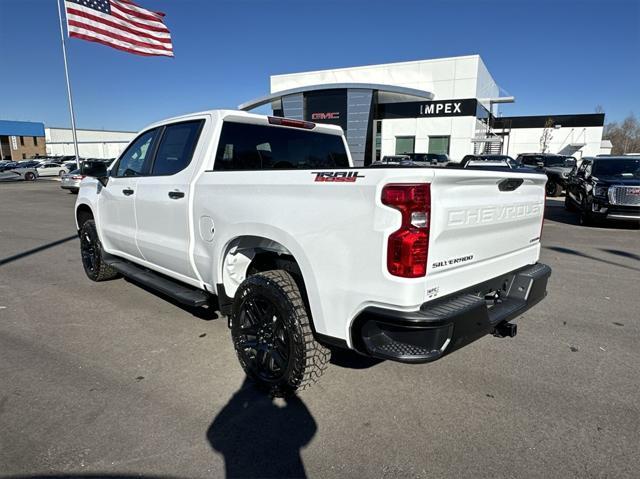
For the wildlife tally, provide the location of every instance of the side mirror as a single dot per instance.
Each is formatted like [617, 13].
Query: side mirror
[103, 180]
[95, 169]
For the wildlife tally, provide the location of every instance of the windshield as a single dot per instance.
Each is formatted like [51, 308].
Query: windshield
[506, 158]
[554, 161]
[623, 168]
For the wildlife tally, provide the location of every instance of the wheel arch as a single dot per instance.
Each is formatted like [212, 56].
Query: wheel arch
[247, 255]
[83, 214]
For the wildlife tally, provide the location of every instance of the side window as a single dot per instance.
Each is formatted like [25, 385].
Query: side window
[135, 160]
[176, 147]
[582, 168]
[587, 170]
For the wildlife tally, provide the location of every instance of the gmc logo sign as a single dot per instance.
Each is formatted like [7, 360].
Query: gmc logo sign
[326, 116]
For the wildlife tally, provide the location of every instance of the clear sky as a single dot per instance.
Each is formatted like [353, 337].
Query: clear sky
[556, 57]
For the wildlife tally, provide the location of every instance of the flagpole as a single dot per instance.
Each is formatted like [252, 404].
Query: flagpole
[66, 73]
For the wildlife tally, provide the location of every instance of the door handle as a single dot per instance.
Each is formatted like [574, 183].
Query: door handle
[127, 191]
[174, 195]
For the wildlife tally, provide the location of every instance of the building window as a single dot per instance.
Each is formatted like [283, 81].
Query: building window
[24, 156]
[378, 140]
[439, 144]
[405, 144]
[22, 141]
[35, 141]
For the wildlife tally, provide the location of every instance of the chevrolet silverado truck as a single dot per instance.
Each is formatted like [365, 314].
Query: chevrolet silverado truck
[267, 219]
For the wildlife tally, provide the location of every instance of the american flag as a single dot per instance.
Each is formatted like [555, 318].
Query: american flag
[119, 24]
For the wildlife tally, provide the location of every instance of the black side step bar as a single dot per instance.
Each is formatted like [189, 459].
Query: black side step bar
[181, 293]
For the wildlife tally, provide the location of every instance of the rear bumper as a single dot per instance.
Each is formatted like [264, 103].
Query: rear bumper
[442, 326]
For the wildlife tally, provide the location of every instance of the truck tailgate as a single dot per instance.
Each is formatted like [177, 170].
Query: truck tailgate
[483, 224]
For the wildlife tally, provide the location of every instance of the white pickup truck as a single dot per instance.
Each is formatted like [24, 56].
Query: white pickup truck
[303, 252]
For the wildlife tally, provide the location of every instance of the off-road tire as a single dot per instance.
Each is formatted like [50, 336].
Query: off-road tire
[586, 218]
[553, 189]
[285, 312]
[568, 204]
[91, 253]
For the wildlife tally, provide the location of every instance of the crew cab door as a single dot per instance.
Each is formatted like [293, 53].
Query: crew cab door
[163, 196]
[116, 202]
[576, 184]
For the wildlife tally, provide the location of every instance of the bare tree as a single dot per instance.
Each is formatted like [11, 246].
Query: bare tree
[599, 109]
[625, 136]
[547, 135]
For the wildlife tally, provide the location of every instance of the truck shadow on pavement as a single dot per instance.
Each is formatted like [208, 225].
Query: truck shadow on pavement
[348, 359]
[260, 436]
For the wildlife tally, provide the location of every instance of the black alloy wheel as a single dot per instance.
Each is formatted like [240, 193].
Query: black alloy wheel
[91, 253]
[553, 189]
[262, 340]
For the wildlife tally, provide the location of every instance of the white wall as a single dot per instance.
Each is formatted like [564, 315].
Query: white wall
[486, 85]
[456, 77]
[91, 143]
[460, 129]
[527, 140]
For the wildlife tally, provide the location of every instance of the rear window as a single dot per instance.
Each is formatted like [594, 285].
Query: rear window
[259, 147]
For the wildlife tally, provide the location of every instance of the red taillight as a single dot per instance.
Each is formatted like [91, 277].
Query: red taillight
[276, 120]
[77, 177]
[408, 247]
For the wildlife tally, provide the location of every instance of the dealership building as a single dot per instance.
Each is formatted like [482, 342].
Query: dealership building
[447, 105]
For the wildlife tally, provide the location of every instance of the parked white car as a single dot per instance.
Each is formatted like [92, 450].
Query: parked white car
[48, 168]
[71, 181]
[268, 217]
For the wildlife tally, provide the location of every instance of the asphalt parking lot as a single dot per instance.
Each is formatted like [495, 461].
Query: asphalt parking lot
[110, 378]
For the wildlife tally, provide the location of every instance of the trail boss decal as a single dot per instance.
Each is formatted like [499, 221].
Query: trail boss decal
[337, 176]
[449, 262]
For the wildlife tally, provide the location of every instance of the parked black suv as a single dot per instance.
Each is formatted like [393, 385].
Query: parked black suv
[605, 188]
[557, 168]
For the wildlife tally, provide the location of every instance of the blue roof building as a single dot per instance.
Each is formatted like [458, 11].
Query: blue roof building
[21, 139]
